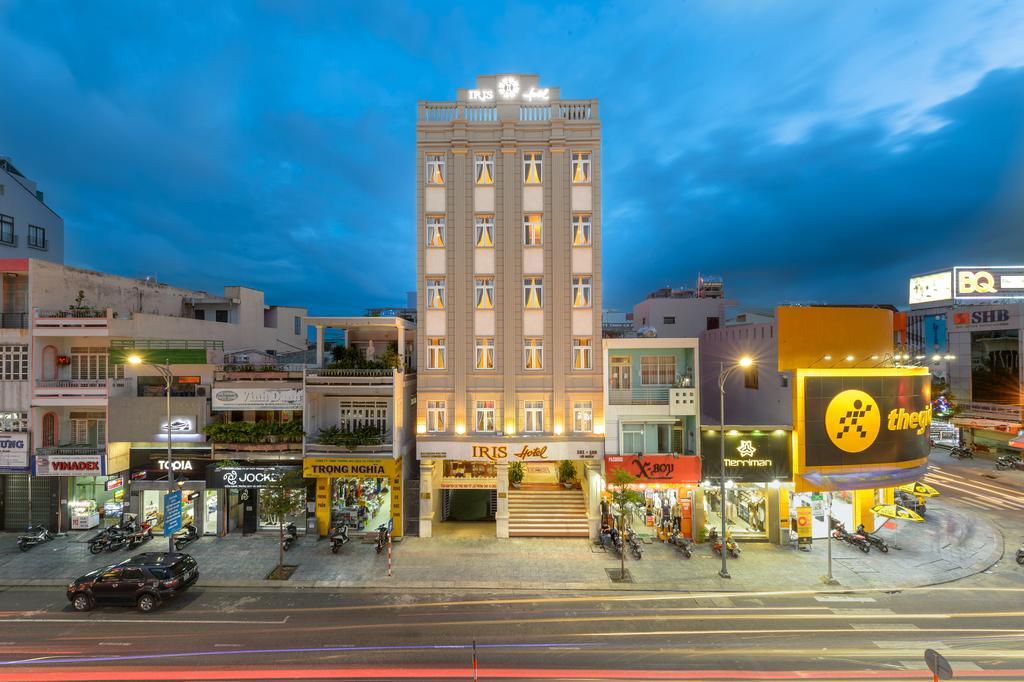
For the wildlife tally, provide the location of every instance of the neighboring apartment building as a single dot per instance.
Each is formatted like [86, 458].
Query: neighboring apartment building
[967, 324]
[680, 313]
[28, 227]
[93, 427]
[508, 216]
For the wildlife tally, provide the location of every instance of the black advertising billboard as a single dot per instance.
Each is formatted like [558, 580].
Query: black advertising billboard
[750, 456]
[866, 419]
[250, 476]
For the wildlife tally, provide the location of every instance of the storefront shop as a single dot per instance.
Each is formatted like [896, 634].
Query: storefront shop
[757, 466]
[667, 482]
[359, 493]
[242, 489]
[83, 486]
[149, 483]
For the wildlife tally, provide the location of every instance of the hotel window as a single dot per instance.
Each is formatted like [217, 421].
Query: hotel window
[14, 363]
[435, 232]
[436, 356]
[485, 231]
[581, 229]
[485, 293]
[583, 416]
[485, 410]
[13, 422]
[581, 355]
[437, 416]
[435, 169]
[580, 168]
[485, 169]
[533, 172]
[7, 229]
[533, 292]
[659, 370]
[485, 352]
[533, 230]
[533, 349]
[581, 291]
[435, 294]
[534, 416]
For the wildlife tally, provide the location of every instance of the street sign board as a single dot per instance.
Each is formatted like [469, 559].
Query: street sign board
[172, 512]
[803, 526]
[938, 664]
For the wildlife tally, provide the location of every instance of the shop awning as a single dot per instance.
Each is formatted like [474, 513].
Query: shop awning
[655, 469]
[987, 424]
[862, 480]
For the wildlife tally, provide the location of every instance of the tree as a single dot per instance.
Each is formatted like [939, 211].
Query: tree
[628, 503]
[278, 499]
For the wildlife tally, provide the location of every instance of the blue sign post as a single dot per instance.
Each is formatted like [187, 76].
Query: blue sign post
[172, 512]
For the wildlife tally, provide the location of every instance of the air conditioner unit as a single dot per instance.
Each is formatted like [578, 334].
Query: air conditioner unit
[202, 391]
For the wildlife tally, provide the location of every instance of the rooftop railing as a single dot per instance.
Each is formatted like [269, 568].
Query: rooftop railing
[566, 110]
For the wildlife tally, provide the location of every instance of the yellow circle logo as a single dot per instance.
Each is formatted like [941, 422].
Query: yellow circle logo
[852, 421]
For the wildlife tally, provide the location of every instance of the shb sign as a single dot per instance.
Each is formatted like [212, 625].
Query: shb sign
[257, 398]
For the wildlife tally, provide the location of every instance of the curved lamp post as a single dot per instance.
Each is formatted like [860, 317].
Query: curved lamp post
[723, 374]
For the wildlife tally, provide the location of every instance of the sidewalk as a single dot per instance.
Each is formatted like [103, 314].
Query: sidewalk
[948, 546]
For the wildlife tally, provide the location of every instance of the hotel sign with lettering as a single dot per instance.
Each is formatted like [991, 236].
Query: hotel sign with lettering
[539, 451]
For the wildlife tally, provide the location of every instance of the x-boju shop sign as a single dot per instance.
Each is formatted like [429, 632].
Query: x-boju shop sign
[654, 469]
[257, 398]
[13, 452]
[69, 465]
[540, 451]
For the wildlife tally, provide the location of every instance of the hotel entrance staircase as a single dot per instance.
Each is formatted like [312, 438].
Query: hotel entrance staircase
[547, 511]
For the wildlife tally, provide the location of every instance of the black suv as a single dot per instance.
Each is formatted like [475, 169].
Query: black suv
[145, 580]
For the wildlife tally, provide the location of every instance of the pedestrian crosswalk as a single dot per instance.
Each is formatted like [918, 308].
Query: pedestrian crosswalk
[974, 490]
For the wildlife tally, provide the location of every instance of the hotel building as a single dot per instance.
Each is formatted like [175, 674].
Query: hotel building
[508, 217]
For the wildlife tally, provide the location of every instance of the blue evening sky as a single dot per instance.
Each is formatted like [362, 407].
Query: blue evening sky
[807, 151]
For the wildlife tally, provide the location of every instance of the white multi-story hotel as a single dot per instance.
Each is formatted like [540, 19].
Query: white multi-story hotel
[508, 218]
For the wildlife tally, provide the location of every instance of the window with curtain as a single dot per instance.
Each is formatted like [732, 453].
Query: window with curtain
[484, 293]
[485, 352]
[485, 231]
[435, 232]
[533, 292]
[659, 370]
[435, 294]
[580, 168]
[581, 229]
[485, 416]
[533, 172]
[583, 416]
[533, 229]
[581, 287]
[355, 414]
[485, 169]
[437, 416]
[534, 353]
[435, 169]
[436, 353]
[88, 428]
[581, 353]
[533, 414]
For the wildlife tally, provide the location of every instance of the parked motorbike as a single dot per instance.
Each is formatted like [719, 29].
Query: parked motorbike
[961, 452]
[383, 537]
[117, 539]
[1007, 462]
[140, 533]
[611, 540]
[185, 536]
[873, 539]
[839, 532]
[101, 540]
[716, 544]
[1020, 556]
[634, 544]
[291, 534]
[684, 545]
[36, 535]
[338, 538]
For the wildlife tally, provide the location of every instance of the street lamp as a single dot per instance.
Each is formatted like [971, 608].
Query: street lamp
[723, 374]
[168, 375]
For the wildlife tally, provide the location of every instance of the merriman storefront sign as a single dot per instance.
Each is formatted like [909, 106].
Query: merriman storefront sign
[13, 452]
[256, 398]
[751, 456]
[539, 451]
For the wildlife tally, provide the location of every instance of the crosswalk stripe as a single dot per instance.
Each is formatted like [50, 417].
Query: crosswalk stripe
[973, 497]
[1002, 487]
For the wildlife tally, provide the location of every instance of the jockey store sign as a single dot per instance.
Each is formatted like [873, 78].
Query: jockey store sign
[653, 469]
[234, 477]
[68, 465]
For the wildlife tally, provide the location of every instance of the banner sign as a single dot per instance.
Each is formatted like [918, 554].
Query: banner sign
[863, 419]
[512, 451]
[335, 467]
[257, 398]
[172, 512]
[989, 282]
[653, 469]
[804, 526]
[14, 452]
[234, 477]
[750, 456]
[69, 465]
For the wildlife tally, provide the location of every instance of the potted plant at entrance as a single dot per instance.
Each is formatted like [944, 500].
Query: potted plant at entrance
[515, 474]
[567, 474]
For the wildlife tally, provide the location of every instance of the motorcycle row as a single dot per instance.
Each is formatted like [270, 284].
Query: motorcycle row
[862, 539]
[1003, 462]
[338, 537]
[616, 542]
[129, 533]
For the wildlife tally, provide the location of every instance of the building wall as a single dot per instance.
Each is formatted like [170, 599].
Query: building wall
[134, 419]
[18, 200]
[691, 315]
[771, 403]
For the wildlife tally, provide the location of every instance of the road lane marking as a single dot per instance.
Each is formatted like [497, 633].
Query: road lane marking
[142, 621]
[114, 644]
[1009, 495]
[840, 597]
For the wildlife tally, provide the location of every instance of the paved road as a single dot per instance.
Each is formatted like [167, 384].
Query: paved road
[221, 633]
[977, 484]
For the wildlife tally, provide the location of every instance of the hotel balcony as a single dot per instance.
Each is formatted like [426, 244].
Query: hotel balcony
[352, 378]
[71, 322]
[75, 392]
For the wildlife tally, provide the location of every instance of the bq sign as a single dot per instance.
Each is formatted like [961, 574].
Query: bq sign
[676, 470]
[232, 477]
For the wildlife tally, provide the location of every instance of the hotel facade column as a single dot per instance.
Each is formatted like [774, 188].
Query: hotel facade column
[501, 513]
[426, 498]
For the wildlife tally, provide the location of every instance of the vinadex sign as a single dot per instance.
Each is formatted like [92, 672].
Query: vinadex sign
[68, 465]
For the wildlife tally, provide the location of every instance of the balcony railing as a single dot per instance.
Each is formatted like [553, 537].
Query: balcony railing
[13, 320]
[350, 377]
[648, 395]
[384, 445]
[566, 110]
[83, 313]
[82, 383]
[72, 450]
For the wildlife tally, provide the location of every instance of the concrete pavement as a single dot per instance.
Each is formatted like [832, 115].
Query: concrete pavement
[950, 545]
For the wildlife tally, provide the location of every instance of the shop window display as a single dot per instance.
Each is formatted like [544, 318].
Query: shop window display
[745, 509]
[192, 502]
[360, 503]
[842, 510]
[270, 521]
[96, 501]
